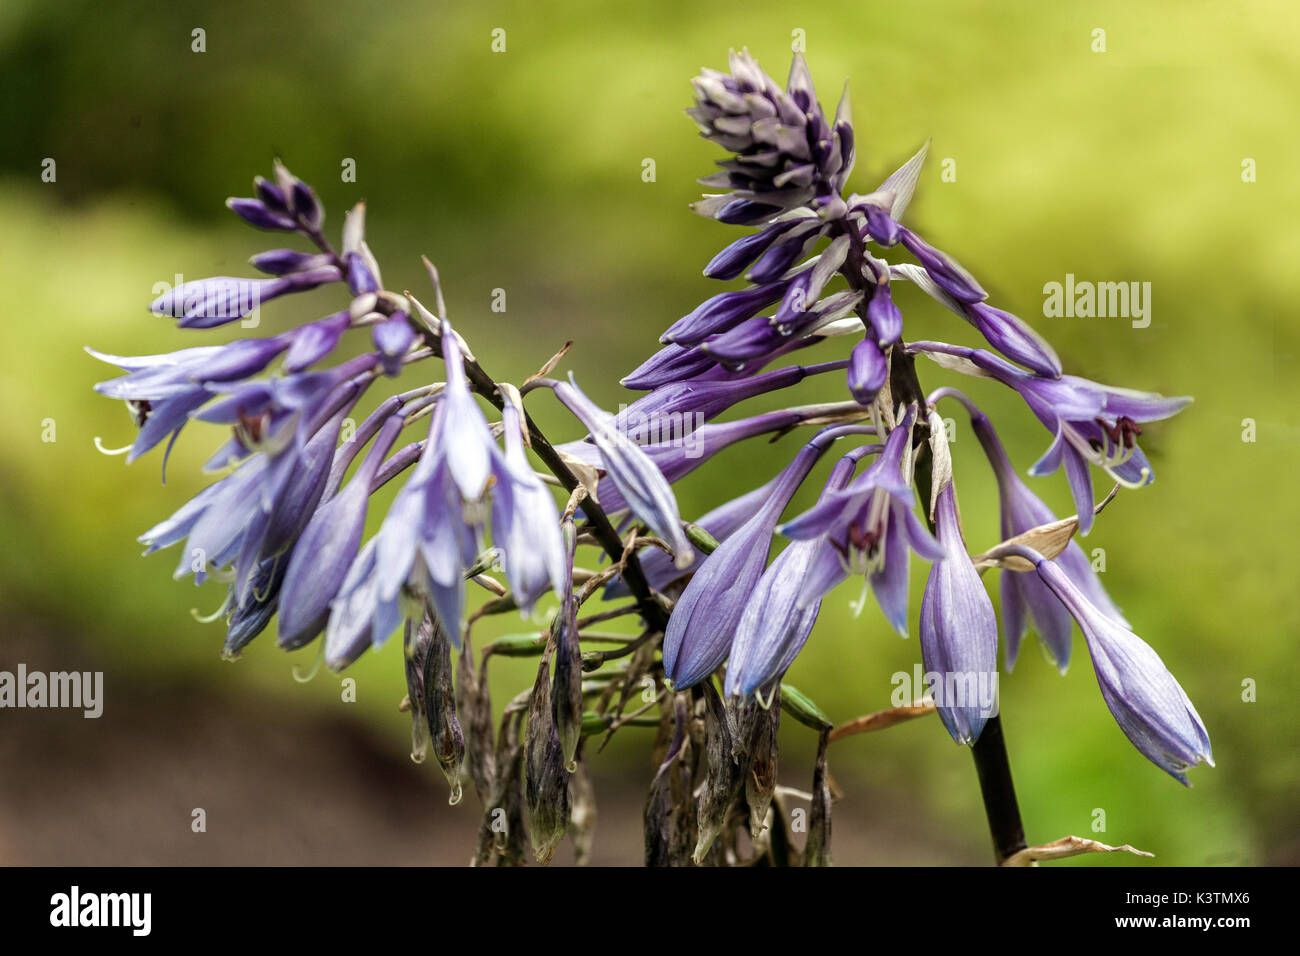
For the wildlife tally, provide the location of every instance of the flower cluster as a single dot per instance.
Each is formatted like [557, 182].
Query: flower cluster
[785, 175]
[284, 527]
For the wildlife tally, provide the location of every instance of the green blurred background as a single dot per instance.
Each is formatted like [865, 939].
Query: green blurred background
[522, 171]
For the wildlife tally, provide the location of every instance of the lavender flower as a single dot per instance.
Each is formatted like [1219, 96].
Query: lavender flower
[525, 525]
[722, 522]
[1091, 423]
[706, 615]
[327, 548]
[677, 459]
[787, 153]
[869, 526]
[1022, 594]
[959, 633]
[777, 619]
[209, 303]
[638, 481]
[678, 406]
[1148, 703]
[433, 531]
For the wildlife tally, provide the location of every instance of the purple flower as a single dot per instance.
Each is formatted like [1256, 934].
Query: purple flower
[786, 152]
[1007, 333]
[674, 410]
[1024, 597]
[1145, 699]
[869, 525]
[885, 318]
[393, 338]
[676, 459]
[959, 633]
[790, 236]
[706, 615]
[268, 415]
[868, 371]
[758, 338]
[1091, 423]
[722, 312]
[314, 341]
[158, 392]
[525, 523]
[280, 262]
[327, 548]
[432, 533]
[777, 619]
[950, 274]
[639, 483]
[722, 522]
[208, 303]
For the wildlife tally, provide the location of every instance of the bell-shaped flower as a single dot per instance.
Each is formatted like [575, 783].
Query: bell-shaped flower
[706, 615]
[1091, 424]
[870, 525]
[1147, 702]
[525, 523]
[327, 548]
[959, 632]
[777, 621]
[1024, 597]
[639, 483]
[721, 523]
[433, 530]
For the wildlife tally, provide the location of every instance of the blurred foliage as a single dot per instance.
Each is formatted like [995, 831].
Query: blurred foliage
[522, 170]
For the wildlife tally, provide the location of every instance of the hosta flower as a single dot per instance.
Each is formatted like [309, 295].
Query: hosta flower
[676, 363]
[637, 480]
[1092, 424]
[281, 411]
[525, 523]
[433, 531]
[870, 527]
[722, 522]
[959, 632]
[706, 614]
[760, 338]
[159, 393]
[1024, 597]
[673, 410]
[676, 459]
[1148, 703]
[208, 303]
[327, 547]
[778, 619]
